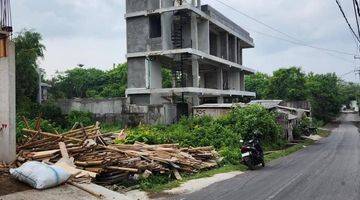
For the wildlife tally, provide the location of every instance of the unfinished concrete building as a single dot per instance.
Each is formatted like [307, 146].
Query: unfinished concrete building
[201, 47]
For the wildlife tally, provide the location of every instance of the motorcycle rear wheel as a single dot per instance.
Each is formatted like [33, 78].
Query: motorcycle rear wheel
[250, 164]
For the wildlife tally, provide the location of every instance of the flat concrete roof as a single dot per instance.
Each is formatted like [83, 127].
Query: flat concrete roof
[215, 14]
[232, 29]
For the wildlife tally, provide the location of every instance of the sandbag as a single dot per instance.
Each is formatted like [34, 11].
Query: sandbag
[40, 175]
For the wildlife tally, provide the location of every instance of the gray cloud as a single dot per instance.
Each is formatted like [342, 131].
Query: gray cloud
[93, 32]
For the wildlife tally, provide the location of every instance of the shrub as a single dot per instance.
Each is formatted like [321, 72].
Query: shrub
[82, 117]
[223, 133]
[256, 118]
[45, 125]
[53, 114]
[302, 127]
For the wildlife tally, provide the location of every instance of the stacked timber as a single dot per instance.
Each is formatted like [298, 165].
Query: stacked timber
[85, 152]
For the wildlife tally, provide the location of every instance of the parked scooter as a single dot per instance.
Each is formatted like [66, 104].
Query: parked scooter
[252, 153]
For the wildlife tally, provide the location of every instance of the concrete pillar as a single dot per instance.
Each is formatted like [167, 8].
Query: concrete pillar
[196, 2]
[236, 50]
[196, 79]
[220, 78]
[242, 81]
[220, 83]
[195, 72]
[7, 106]
[147, 73]
[194, 31]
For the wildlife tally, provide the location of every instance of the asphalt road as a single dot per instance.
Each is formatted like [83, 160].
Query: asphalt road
[328, 170]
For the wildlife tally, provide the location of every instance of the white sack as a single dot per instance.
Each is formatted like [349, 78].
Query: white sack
[40, 175]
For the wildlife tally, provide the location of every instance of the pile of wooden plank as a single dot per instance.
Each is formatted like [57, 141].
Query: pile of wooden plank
[83, 151]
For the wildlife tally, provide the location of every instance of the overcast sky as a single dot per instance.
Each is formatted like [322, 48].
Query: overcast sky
[92, 32]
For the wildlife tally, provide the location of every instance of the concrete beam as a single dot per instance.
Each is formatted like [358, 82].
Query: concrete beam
[190, 90]
[194, 52]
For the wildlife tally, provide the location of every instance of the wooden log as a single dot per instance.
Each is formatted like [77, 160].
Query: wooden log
[74, 126]
[42, 154]
[53, 135]
[88, 163]
[123, 169]
[63, 150]
[26, 122]
[97, 195]
[177, 174]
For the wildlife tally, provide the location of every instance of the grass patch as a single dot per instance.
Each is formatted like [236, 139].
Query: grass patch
[324, 133]
[269, 156]
[107, 127]
[158, 184]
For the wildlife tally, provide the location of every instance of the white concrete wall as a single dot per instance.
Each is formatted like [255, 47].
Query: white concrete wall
[7, 106]
[95, 106]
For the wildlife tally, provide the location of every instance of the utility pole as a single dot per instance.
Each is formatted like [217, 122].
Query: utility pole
[357, 70]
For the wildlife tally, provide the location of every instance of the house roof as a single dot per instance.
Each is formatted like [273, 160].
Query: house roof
[268, 104]
[221, 105]
[293, 109]
[45, 85]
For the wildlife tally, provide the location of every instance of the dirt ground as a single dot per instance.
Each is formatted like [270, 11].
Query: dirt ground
[8, 185]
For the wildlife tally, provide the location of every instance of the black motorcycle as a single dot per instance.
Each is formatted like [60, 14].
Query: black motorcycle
[252, 153]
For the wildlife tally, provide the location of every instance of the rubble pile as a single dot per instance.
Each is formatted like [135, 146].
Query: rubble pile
[86, 152]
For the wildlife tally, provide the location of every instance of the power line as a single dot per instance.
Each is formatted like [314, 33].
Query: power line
[350, 72]
[357, 7]
[356, 16]
[346, 19]
[297, 41]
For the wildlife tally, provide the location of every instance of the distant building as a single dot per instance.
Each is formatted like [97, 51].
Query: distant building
[288, 117]
[354, 106]
[44, 91]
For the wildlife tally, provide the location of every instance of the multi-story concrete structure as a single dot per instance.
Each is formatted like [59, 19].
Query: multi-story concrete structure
[202, 48]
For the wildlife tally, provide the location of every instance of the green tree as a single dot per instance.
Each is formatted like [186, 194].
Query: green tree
[258, 83]
[116, 82]
[95, 83]
[349, 92]
[288, 84]
[29, 48]
[324, 95]
[78, 82]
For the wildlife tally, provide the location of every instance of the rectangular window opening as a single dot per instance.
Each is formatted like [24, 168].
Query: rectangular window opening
[155, 25]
